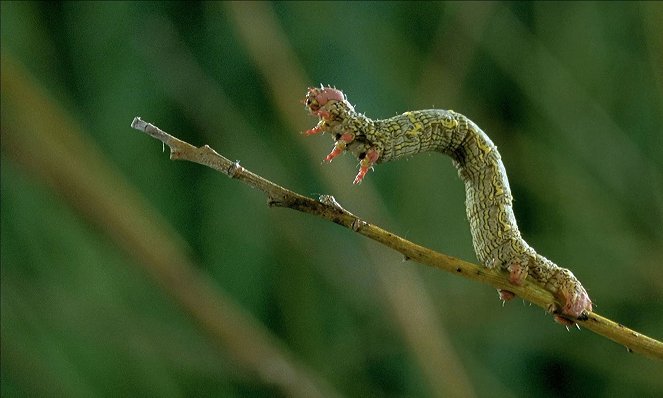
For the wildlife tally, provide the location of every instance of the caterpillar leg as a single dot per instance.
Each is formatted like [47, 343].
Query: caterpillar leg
[339, 146]
[518, 271]
[367, 161]
[321, 127]
[518, 268]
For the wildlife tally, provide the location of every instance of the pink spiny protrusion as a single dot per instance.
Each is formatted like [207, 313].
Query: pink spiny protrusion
[575, 302]
[319, 128]
[314, 130]
[340, 146]
[517, 273]
[322, 114]
[366, 163]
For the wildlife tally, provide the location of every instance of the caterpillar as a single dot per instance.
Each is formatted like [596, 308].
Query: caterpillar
[495, 235]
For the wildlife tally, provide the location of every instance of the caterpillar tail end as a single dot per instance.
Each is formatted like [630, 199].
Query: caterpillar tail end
[574, 298]
[576, 303]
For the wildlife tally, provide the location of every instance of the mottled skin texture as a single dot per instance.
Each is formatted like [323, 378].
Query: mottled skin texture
[495, 234]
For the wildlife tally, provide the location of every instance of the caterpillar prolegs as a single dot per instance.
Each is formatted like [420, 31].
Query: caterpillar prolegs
[495, 235]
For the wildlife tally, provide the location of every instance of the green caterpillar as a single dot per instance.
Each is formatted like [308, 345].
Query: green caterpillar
[495, 235]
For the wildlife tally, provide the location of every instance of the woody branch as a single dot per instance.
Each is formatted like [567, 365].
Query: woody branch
[327, 208]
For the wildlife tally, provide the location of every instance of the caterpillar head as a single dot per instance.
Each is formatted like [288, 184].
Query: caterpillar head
[327, 103]
[338, 117]
[319, 101]
[318, 97]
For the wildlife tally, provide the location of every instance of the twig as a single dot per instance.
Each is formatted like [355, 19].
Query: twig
[328, 208]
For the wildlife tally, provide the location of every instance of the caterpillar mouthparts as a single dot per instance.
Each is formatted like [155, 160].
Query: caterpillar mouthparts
[495, 234]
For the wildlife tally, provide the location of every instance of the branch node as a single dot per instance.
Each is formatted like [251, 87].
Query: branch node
[234, 169]
[329, 200]
[358, 224]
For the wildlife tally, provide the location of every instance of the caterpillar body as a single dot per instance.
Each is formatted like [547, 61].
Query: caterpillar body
[495, 234]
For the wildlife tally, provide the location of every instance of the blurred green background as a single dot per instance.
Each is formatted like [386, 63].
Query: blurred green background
[126, 274]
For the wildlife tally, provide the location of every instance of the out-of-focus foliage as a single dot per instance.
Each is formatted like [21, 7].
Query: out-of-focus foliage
[572, 93]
